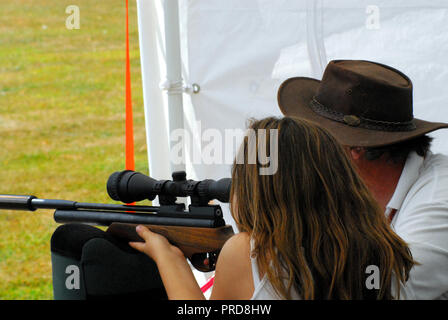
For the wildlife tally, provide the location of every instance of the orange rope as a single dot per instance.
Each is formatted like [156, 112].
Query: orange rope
[130, 162]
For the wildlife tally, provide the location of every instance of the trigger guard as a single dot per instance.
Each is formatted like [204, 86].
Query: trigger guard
[197, 260]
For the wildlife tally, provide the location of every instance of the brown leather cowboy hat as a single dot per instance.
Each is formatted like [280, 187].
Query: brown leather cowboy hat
[362, 103]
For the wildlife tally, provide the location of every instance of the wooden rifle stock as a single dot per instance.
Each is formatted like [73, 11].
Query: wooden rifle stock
[200, 245]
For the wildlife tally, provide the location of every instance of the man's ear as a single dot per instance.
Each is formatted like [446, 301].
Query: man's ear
[356, 153]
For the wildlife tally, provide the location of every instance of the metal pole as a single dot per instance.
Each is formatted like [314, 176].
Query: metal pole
[174, 73]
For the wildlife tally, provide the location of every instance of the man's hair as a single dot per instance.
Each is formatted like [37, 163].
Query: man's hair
[399, 151]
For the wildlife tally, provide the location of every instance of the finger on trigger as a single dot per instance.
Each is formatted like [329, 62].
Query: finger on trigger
[137, 245]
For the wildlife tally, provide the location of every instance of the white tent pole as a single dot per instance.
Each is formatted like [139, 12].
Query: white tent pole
[152, 64]
[315, 42]
[173, 72]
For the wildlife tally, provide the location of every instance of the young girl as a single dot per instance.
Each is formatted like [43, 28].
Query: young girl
[311, 230]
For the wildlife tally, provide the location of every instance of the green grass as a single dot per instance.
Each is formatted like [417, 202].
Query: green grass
[62, 103]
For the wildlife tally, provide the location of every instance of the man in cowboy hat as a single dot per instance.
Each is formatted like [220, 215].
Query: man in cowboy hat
[367, 106]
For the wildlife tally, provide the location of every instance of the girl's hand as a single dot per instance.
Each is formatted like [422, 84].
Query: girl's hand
[176, 274]
[155, 246]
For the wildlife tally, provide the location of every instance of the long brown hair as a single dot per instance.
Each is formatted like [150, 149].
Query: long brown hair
[314, 224]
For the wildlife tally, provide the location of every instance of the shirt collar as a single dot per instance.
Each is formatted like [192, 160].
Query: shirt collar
[408, 177]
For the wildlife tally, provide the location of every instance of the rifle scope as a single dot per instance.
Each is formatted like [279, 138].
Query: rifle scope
[130, 186]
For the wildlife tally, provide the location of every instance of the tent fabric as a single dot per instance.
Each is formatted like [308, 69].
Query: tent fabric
[239, 52]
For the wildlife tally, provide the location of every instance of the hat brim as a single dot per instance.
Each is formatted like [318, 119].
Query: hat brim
[295, 94]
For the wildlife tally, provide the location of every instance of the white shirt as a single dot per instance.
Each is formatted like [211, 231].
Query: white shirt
[421, 220]
[263, 290]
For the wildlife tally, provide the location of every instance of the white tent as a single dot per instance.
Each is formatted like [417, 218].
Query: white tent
[238, 52]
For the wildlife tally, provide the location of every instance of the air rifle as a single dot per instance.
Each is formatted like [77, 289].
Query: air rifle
[200, 232]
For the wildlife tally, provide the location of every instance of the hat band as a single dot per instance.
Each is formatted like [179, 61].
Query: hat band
[358, 121]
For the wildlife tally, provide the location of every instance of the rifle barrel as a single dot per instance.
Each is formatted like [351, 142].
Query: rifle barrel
[16, 202]
[105, 214]
[32, 203]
